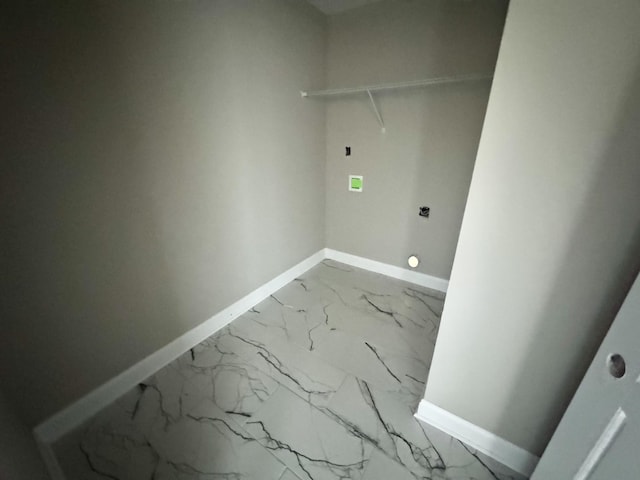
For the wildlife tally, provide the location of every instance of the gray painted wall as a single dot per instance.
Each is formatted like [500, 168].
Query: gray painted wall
[19, 457]
[550, 240]
[158, 164]
[426, 156]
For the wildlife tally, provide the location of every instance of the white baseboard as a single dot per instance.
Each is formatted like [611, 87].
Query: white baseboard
[50, 461]
[418, 278]
[81, 410]
[84, 408]
[482, 440]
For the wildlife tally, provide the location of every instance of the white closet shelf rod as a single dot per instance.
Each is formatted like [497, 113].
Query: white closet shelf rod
[395, 86]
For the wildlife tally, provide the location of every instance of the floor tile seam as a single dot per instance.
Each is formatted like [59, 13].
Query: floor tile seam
[245, 361]
[298, 394]
[270, 334]
[348, 372]
[241, 426]
[324, 415]
[287, 469]
[384, 348]
[402, 352]
[376, 275]
[248, 362]
[258, 366]
[209, 374]
[396, 402]
[384, 318]
[395, 461]
[357, 337]
[376, 447]
[389, 422]
[299, 348]
[279, 460]
[318, 408]
[238, 426]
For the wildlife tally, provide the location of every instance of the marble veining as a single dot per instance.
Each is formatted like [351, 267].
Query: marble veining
[318, 381]
[305, 439]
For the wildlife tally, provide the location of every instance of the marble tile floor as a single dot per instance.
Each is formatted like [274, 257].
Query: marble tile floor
[319, 381]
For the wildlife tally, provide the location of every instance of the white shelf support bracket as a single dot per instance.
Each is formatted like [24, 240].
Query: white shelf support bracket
[393, 86]
[375, 109]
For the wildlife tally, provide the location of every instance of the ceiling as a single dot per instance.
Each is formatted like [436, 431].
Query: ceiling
[330, 7]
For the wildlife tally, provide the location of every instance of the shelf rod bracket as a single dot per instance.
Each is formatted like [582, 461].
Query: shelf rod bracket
[375, 109]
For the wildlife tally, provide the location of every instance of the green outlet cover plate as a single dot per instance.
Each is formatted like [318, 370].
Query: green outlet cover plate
[355, 183]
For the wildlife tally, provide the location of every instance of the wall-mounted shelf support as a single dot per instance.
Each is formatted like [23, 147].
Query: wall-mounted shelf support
[393, 86]
[375, 109]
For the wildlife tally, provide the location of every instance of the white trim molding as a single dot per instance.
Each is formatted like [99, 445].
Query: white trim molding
[417, 278]
[482, 440]
[50, 460]
[76, 413]
[81, 410]
[607, 437]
